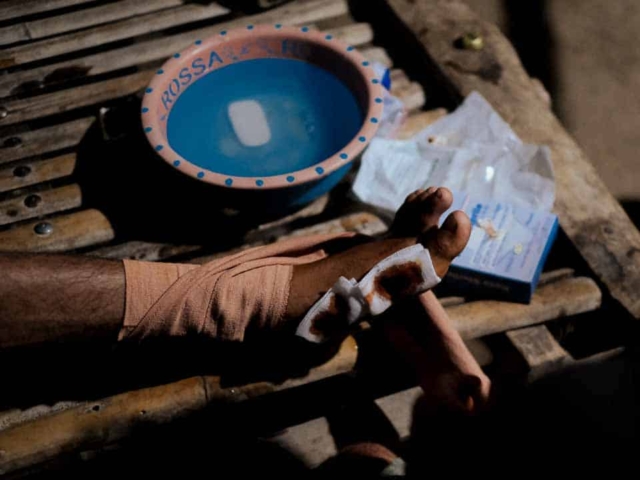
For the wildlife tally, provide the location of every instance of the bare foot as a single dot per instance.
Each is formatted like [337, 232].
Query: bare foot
[417, 222]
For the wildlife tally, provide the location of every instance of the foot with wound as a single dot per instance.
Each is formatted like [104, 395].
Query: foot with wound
[410, 261]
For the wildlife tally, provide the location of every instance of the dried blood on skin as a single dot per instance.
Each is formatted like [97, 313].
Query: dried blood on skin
[332, 321]
[398, 280]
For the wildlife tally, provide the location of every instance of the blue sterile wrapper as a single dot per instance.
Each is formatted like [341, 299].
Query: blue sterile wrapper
[506, 251]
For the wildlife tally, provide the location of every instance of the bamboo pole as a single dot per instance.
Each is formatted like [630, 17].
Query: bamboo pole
[30, 172]
[93, 37]
[60, 233]
[89, 17]
[21, 8]
[35, 204]
[27, 144]
[161, 48]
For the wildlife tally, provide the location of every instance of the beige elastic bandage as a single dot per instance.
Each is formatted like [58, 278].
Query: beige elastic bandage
[221, 299]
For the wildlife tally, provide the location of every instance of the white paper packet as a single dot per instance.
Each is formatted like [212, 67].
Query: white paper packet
[472, 149]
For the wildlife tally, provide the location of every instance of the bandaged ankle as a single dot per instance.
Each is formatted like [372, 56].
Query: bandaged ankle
[406, 273]
[223, 299]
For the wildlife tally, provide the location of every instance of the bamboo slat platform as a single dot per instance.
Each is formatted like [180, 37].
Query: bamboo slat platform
[70, 84]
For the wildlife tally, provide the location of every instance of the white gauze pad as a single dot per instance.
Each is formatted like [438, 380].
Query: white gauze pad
[406, 273]
[341, 306]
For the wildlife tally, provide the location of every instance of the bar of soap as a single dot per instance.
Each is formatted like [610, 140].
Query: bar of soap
[249, 123]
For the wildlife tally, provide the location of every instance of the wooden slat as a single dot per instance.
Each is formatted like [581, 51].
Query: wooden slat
[21, 8]
[399, 78]
[569, 296]
[101, 35]
[542, 353]
[480, 351]
[16, 416]
[291, 14]
[147, 251]
[29, 172]
[398, 408]
[36, 204]
[75, 230]
[161, 48]
[411, 93]
[354, 34]
[451, 301]
[22, 110]
[377, 54]
[297, 439]
[419, 121]
[153, 251]
[555, 275]
[43, 105]
[314, 208]
[363, 223]
[591, 217]
[412, 96]
[81, 19]
[50, 139]
[24, 447]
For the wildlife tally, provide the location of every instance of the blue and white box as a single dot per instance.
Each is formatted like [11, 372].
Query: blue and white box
[506, 251]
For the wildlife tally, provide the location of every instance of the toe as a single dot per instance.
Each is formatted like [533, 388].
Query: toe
[469, 392]
[433, 205]
[412, 197]
[448, 241]
[422, 210]
[427, 193]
